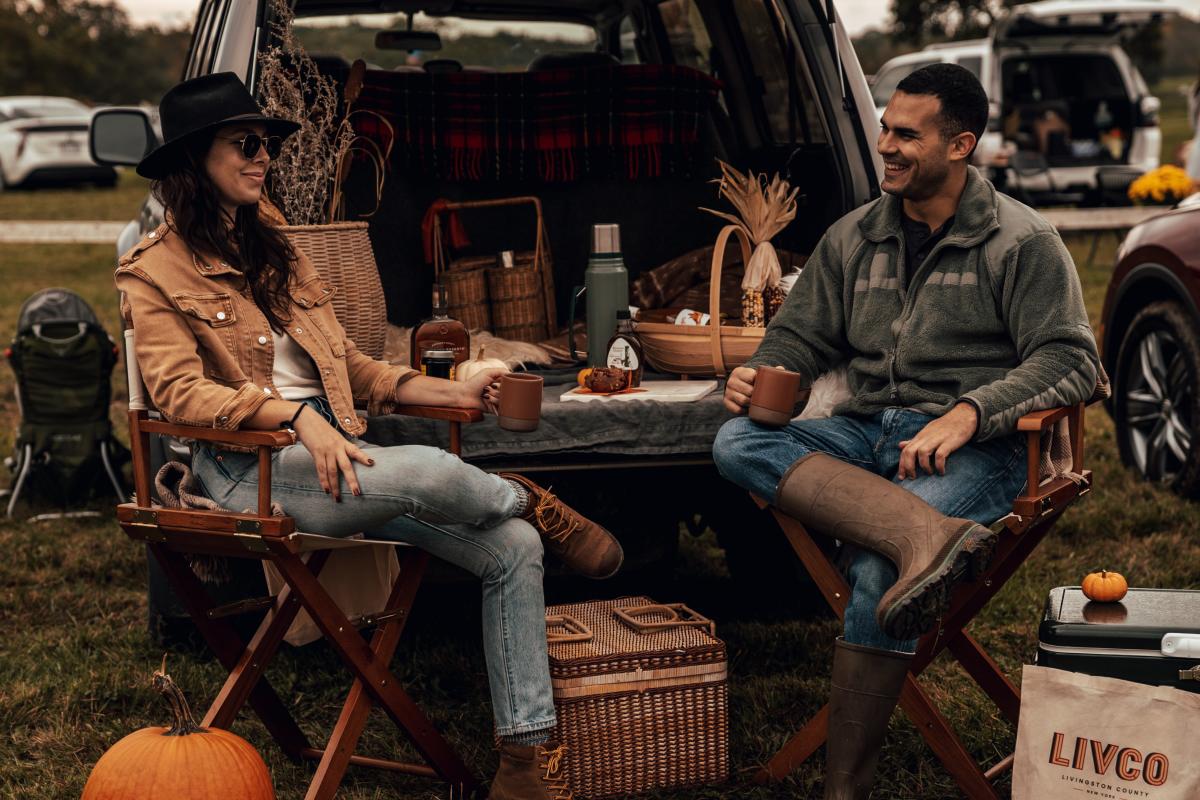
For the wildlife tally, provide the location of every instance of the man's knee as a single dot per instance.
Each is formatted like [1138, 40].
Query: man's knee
[730, 447]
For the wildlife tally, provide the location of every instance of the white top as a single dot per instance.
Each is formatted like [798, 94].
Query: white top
[294, 374]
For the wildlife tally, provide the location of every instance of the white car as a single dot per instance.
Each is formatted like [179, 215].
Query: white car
[1071, 118]
[45, 140]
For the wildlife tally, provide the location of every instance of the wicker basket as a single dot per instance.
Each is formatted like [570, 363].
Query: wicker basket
[711, 349]
[342, 254]
[521, 297]
[467, 291]
[641, 696]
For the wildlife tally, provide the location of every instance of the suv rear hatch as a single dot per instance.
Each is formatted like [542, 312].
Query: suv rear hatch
[1067, 90]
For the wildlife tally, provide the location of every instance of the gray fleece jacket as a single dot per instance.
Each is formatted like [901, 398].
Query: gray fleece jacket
[993, 317]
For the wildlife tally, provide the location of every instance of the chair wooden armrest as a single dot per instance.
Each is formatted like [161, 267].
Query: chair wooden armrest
[240, 437]
[467, 415]
[1042, 498]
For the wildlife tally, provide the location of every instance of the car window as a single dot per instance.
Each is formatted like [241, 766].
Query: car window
[887, 81]
[204, 46]
[501, 46]
[973, 63]
[786, 101]
[628, 39]
[1072, 77]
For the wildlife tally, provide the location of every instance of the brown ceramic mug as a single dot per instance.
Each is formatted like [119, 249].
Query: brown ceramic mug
[520, 401]
[773, 400]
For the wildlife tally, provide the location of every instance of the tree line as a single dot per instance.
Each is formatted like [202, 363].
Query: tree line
[90, 50]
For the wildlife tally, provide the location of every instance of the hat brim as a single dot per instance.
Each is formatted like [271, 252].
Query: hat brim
[162, 160]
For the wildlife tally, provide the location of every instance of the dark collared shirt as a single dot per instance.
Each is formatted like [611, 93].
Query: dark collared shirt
[919, 241]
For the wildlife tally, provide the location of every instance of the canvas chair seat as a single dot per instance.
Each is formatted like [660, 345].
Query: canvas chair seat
[1055, 478]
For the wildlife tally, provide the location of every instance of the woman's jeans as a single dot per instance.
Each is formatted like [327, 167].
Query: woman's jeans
[429, 498]
[981, 481]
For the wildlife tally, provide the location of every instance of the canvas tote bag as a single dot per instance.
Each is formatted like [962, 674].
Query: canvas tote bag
[1089, 737]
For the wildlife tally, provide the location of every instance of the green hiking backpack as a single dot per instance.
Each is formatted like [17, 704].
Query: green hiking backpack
[63, 359]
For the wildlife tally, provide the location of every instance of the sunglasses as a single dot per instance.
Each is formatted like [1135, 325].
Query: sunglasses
[253, 141]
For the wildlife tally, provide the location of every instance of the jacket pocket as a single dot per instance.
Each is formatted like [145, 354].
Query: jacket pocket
[313, 296]
[215, 309]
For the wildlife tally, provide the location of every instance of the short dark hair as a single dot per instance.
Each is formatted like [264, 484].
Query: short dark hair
[964, 103]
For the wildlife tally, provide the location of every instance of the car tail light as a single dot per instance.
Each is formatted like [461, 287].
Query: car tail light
[1147, 112]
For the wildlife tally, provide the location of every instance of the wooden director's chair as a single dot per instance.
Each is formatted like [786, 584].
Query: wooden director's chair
[170, 533]
[1034, 513]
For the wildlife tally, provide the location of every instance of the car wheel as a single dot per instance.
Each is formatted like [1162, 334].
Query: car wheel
[1156, 402]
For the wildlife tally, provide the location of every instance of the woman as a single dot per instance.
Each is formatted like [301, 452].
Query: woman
[234, 330]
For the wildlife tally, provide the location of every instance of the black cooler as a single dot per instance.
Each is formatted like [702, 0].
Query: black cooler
[1152, 636]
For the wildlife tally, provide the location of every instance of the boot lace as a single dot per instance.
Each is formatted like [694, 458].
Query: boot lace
[554, 518]
[555, 779]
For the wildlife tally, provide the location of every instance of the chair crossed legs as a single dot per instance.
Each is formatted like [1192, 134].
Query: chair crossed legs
[1034, 513]
[171, 533]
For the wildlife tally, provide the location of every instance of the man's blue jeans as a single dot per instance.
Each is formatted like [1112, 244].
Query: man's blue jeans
[429, 498]
[981, 481]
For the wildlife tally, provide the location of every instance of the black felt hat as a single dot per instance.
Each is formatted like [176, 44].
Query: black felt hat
[199, 105]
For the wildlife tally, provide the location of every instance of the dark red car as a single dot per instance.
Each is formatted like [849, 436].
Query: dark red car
[1150, 341]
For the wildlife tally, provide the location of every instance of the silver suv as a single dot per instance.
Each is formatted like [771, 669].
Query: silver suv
[1072, 120]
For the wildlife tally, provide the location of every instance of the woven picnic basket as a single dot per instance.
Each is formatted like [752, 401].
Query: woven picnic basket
[711, 349]
[641, 696]
[342, 254]
[520, 297]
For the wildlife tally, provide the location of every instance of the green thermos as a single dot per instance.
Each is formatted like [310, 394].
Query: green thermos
[606, 283]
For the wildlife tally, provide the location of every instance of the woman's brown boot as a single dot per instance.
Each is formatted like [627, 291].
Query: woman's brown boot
[583, 545]
[931, 551]
[531, 772]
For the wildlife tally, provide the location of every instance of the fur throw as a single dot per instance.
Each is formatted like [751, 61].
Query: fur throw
[827, 392]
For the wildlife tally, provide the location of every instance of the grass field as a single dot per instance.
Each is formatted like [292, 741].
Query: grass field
[90, 202]
[75, 657]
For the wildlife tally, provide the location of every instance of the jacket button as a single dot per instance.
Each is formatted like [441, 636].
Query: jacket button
[346, 420]
[299, 330]
[220, 315]
[152, 235]
[262, 340]
[222, 420]
[266, 390]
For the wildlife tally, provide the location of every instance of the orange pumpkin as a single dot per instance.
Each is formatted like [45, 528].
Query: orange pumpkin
[582, 377]
[182, 762]
[1105, 586]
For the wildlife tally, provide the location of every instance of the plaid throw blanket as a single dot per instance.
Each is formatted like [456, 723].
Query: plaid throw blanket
[633, 122]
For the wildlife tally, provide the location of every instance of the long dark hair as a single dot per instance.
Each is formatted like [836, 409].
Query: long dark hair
[259, 250]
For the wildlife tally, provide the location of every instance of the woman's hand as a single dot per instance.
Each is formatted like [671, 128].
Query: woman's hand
[482, 391]
[332, 453]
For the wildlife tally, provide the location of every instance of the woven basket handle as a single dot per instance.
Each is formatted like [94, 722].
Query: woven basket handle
[677, 615]
[541, 246]
[572, 629]
[714, 290]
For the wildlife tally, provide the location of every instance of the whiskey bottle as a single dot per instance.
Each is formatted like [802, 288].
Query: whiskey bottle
[439, 332]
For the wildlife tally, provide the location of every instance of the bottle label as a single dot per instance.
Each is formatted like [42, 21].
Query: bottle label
[621, 355]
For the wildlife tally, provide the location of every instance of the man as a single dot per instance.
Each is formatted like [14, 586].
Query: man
[955, 310]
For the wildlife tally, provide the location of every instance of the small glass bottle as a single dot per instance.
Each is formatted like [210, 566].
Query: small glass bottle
[439, 332]
[624, 349]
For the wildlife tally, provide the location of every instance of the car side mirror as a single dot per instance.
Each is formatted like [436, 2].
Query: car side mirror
[120, 136]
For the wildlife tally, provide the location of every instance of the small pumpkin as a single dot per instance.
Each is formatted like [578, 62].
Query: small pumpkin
[1105, 586]
[182, 762]
[582, 377]
[469, 369]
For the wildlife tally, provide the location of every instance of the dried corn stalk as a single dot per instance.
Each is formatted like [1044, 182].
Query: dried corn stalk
[291, 87]
[764, 208]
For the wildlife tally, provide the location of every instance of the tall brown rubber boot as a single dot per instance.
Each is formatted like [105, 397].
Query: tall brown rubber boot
[931, 551]
[865, 686]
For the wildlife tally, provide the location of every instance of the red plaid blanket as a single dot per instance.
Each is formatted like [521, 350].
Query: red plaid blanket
[638, 121]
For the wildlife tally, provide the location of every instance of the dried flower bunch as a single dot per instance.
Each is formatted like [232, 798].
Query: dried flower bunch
[291, 87]
[764, 208]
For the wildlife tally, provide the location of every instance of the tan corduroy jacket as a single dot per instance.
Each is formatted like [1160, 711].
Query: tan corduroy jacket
[205, 349]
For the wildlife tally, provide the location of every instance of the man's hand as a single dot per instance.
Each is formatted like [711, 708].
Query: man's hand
[738, 389]
[936, 441]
